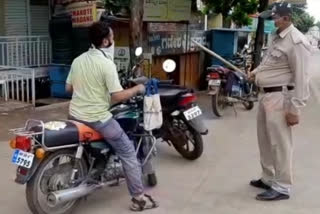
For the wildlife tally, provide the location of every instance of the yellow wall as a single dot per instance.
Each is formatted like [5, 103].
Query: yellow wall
[290, 1]
[215, 21]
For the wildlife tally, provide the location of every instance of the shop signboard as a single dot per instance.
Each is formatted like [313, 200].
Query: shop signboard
[167, 42]
[83, 13]
[174, 42]
[198, 36]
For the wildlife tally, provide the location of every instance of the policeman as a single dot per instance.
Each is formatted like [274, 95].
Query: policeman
[283, 78]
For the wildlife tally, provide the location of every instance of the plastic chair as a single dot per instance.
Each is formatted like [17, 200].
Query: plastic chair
[3, 83]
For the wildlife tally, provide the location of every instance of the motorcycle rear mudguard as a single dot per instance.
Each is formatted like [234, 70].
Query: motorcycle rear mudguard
[213, 90]
[23, 179]
[198, 124]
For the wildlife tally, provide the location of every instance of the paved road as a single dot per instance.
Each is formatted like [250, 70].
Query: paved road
[216, 183]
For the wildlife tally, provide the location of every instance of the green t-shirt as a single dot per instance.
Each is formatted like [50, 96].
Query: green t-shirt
[94, 78]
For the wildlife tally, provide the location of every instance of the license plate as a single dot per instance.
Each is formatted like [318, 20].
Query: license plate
[22, 158]
[192, 113]
[215, 82]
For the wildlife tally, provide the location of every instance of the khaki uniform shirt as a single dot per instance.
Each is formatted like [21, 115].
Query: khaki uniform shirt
[287, 62]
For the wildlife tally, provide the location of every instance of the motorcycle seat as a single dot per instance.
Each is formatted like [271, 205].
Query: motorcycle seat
[87, 134]
[169, 96]
[219, 69]
[171, 92]
[73, 133]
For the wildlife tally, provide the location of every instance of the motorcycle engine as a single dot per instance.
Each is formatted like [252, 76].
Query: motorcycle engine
[113, 169]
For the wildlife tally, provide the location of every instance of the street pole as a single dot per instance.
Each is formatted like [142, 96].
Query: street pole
[206, 22]
[136, 28]
[259, 35]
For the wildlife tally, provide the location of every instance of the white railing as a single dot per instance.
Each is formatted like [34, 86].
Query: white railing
[25, 51]
[20, 83]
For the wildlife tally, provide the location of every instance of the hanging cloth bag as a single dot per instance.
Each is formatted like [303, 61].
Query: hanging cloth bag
[152, 116]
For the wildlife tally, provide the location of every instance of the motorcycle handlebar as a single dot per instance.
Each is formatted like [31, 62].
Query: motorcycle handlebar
[165, 81]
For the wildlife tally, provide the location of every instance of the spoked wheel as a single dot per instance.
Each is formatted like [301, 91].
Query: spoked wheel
[53, 174]
[248, 105]
[219, 103]
[186, 140]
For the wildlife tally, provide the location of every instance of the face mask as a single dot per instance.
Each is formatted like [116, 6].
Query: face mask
[109, 51]
[275, 28]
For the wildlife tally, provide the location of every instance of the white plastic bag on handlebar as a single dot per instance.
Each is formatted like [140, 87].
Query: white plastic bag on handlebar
[152, 110]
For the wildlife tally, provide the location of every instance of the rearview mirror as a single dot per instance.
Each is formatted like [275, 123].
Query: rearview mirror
[169, 65]
[138, 51]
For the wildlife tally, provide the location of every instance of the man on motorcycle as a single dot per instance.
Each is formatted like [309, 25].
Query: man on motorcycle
[94, 81]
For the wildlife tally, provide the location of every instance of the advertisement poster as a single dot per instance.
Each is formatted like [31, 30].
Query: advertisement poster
[122, 58]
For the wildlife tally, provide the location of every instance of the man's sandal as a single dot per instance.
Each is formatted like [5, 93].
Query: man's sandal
[145, 203]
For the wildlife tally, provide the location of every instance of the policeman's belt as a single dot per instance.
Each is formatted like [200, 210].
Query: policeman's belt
[277, 89]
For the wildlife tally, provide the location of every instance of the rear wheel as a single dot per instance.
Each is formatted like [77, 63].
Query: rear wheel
[248, 105]
[53, 174]
[219, 103]
[186, 140]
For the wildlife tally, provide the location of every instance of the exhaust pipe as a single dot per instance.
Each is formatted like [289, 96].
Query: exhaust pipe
[63, 196]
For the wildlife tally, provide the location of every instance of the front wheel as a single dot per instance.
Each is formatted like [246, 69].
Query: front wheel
[186, 140]
[53, 174]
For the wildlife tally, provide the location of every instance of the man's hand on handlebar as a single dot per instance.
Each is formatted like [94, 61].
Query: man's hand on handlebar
[141, 89]
[125, 95]
[252, 77]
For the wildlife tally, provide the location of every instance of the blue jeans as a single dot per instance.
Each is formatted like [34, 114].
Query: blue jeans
[124, 148]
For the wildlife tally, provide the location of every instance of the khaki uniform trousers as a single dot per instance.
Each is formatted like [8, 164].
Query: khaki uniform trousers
[275, 141]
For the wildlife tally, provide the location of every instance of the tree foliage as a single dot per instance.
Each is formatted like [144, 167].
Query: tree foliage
[115, 6]
[236, 10]
[259, 39]
[301, 19]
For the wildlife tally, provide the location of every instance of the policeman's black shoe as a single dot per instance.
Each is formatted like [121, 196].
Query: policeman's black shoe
[272, 195]
[259, 184]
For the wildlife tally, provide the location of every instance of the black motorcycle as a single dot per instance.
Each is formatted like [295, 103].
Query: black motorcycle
[182, 122]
